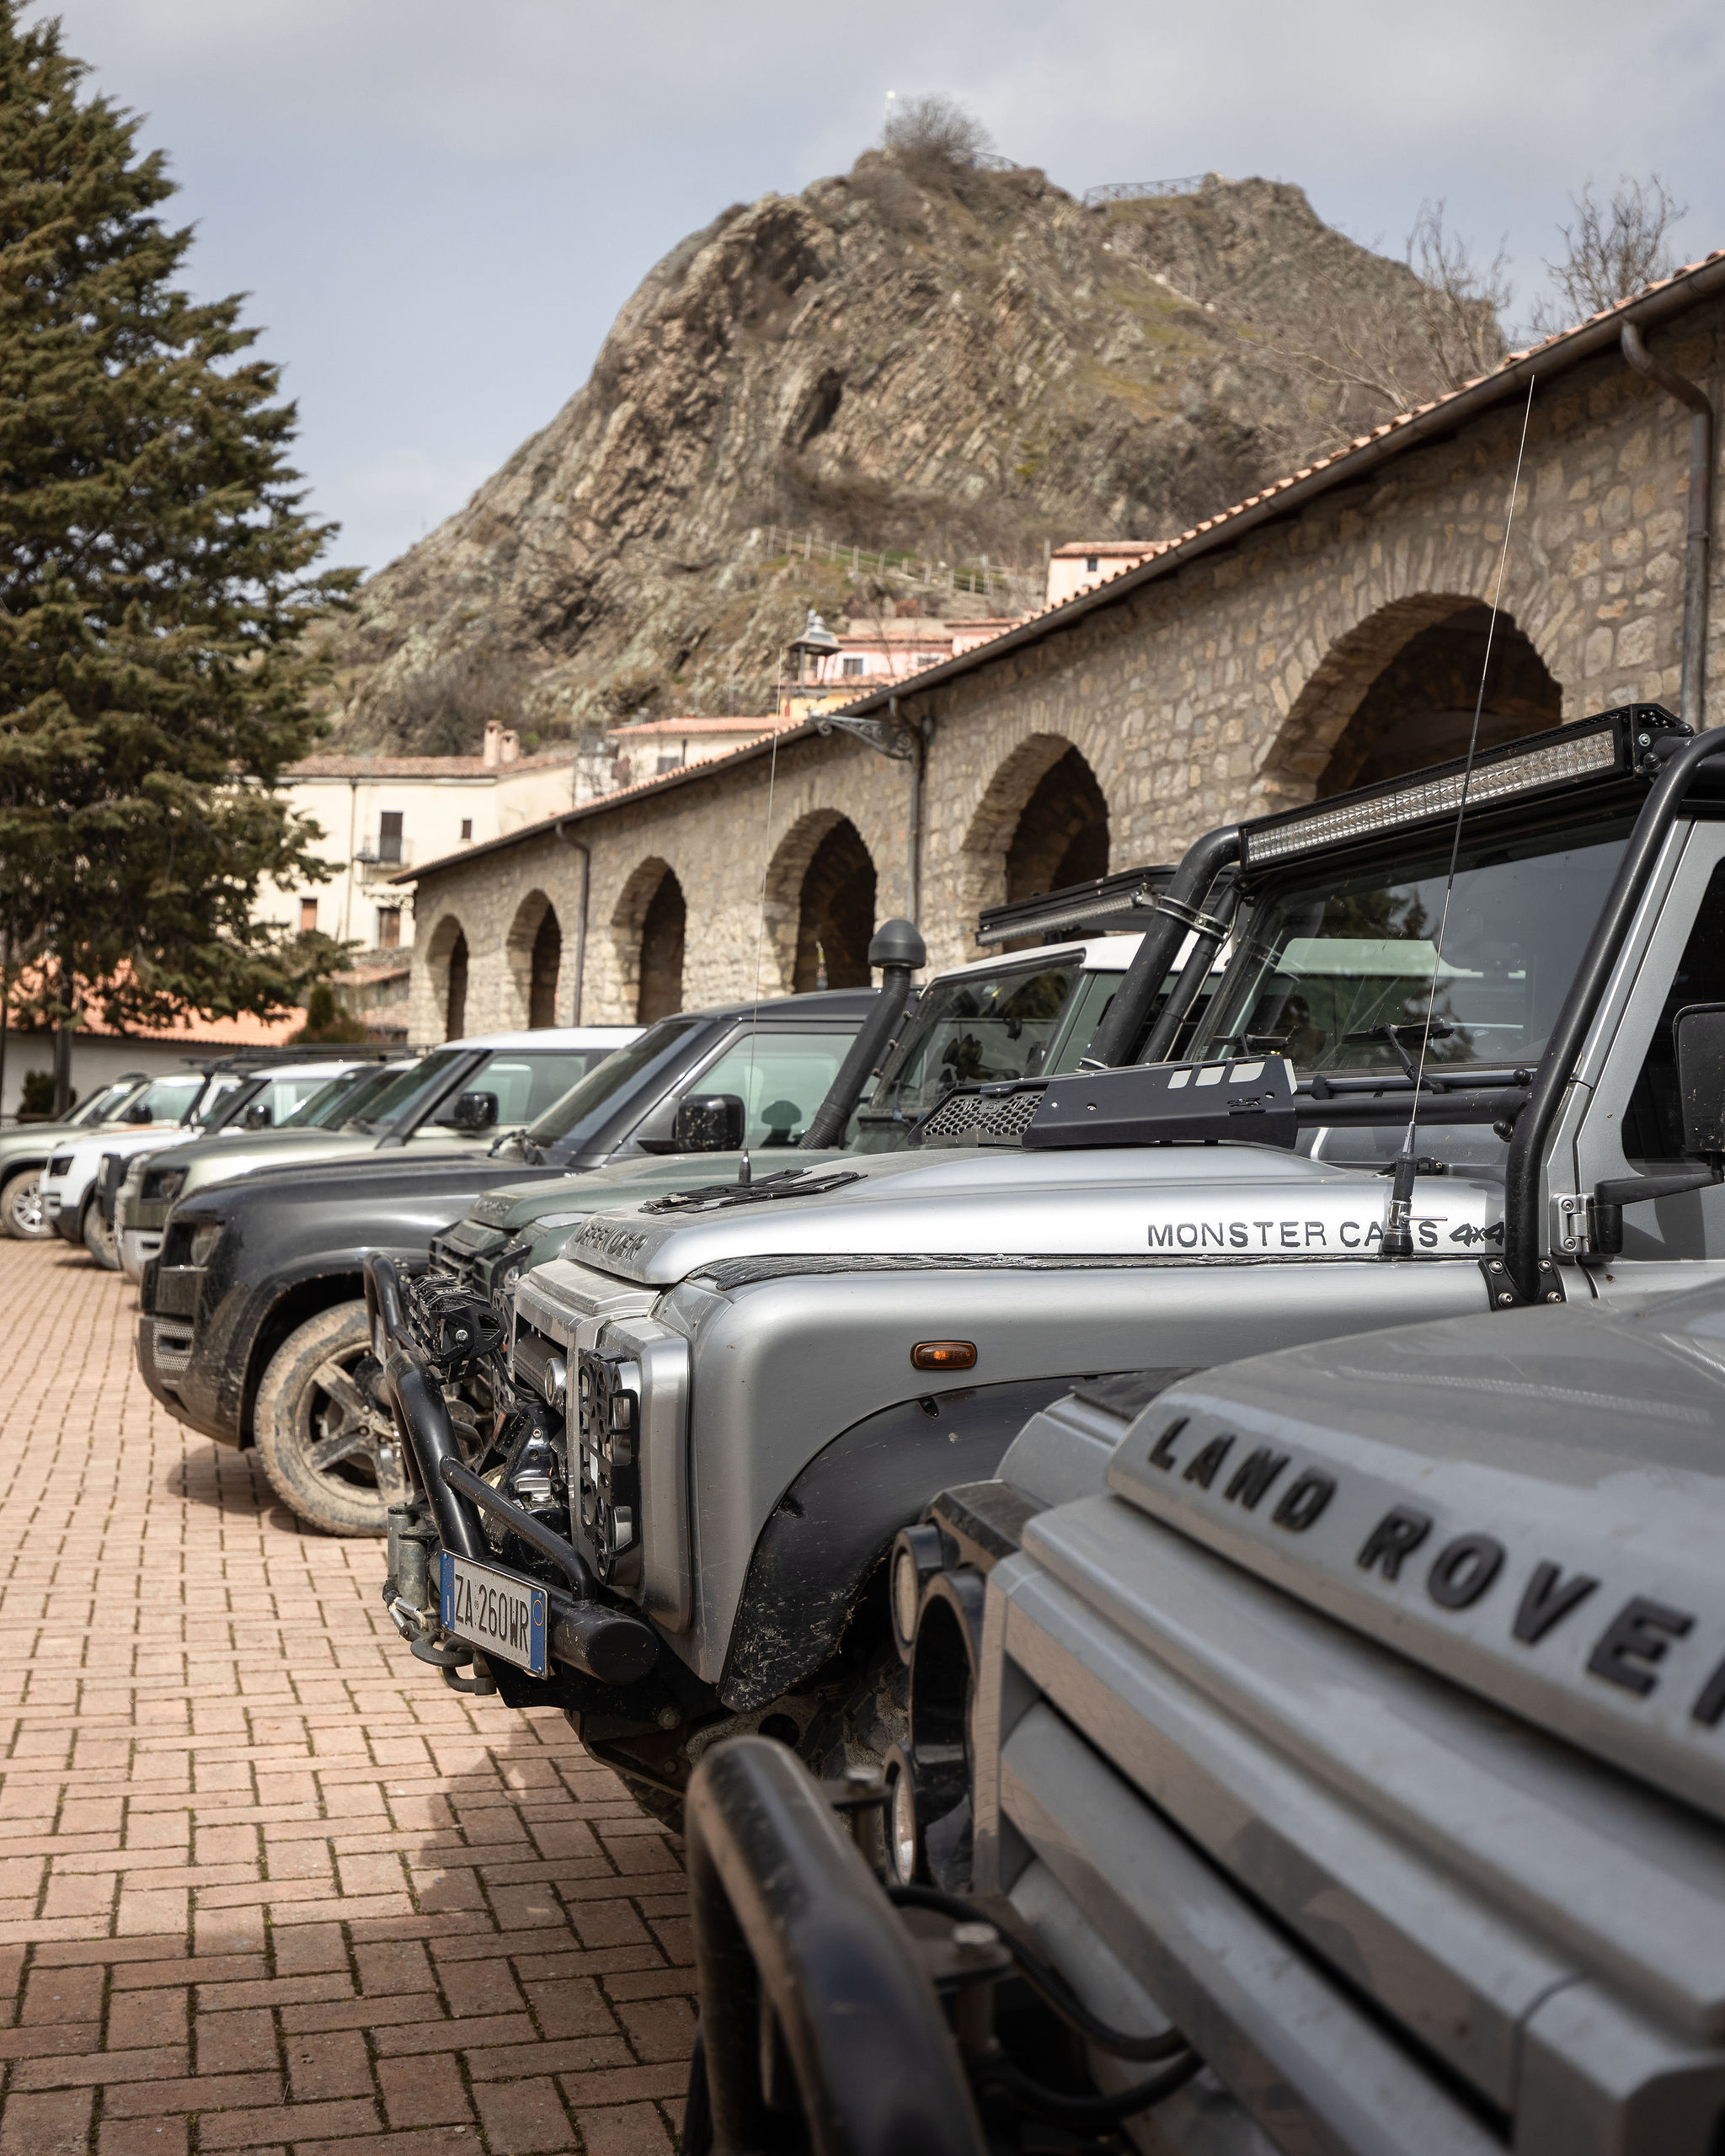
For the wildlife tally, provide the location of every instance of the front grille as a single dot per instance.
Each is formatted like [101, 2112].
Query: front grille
[1428, 1905]
[608, 1439]
[994, 1116]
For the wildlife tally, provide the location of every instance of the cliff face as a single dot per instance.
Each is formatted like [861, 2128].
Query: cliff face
[961, 363]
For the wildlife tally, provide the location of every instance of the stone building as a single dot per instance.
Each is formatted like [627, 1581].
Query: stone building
[1329, 631]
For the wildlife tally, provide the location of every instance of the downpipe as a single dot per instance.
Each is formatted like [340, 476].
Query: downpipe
[1698, 547]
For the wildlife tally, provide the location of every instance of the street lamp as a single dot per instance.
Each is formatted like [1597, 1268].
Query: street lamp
[816, 638]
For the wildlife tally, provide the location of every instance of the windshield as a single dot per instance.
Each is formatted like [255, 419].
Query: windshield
[976, 1027]
[102, 1105]
[167, 1099]
[339, 1098]
[406, 1091]
[1325, 963]
[568, 1121]
[217, 1091]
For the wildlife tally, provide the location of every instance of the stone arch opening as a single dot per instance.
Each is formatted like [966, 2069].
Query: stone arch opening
[534, 946]
[447, 964]
[648, 927]
[455, 1009]
[1043, 822]
[1398, 693]
[546, 965]
[1062, 833]
[821, 890]
[836, 913]
[662, 953]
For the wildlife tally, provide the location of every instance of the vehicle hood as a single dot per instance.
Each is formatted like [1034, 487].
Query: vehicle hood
[518, 1206]
[1558, 1475]
[124, 1139]
[221, 1156]
[347, 1191]
[1211, 1202]
[41, 1137]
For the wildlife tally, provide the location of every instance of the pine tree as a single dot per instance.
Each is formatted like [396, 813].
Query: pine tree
[157, 577]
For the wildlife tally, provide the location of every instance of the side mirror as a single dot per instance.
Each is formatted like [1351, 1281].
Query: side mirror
[472, 1111]
[709, 1123]
[257, 1116]
[1698, 1038]
[139, 1113]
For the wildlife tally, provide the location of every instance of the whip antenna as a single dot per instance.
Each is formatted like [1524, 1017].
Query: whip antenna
[1398, 1226]
[744, 1172]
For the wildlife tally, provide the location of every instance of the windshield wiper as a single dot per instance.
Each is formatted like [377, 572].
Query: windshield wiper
[1426, 1029]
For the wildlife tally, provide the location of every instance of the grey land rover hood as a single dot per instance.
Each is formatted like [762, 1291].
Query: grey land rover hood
[1220, 1203]
[1532, 1504]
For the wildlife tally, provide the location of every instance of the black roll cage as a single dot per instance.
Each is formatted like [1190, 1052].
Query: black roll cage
[1534, 1105]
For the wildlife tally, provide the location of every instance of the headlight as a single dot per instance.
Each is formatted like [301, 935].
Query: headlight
[204, 1241]
[61, 1165]
[162, 1183]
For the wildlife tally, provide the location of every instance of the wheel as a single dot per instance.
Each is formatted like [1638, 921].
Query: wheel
[328, 1448]
[21, 1212]
[99, 1239]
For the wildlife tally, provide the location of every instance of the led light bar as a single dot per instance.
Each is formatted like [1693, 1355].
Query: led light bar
[1613, 745]
[1123, 900]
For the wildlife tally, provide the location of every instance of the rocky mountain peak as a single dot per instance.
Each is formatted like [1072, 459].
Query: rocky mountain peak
[957, 364]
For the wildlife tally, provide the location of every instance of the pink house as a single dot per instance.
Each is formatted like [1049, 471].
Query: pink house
[1074, 568]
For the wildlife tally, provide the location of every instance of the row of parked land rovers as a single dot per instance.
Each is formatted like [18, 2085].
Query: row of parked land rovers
[1085, 1736]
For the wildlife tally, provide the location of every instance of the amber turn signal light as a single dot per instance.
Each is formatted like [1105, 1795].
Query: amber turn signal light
[944, 1355]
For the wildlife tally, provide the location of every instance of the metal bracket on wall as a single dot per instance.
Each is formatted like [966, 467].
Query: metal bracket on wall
[875, 734]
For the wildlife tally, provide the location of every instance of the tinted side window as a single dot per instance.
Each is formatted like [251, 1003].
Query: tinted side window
[781, 1079]
[525, 1082]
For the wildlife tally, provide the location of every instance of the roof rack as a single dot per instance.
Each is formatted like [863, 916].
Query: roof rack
[1110, 905]
[270, 1059]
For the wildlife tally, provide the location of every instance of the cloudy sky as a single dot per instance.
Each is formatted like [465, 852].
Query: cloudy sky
[439, 208]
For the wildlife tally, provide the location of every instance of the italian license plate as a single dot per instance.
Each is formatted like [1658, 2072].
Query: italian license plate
[495, 1610]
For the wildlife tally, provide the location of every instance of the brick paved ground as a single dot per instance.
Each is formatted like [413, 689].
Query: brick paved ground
[265, 1884]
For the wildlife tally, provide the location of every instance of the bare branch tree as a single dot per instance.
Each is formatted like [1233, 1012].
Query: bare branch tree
[1613, 250]
[1461, 306]
[936, 131]
[1373, 360]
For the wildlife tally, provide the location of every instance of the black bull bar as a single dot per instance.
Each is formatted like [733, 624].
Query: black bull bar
[612, 1646]
[807, 1977]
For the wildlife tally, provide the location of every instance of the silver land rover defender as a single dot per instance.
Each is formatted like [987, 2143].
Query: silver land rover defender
[1345, 1771]
[727, 1399]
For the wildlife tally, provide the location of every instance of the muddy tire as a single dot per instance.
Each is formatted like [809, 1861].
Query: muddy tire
[21, 1215]
[862, 1724]
[99, 1238]
[327, 1449]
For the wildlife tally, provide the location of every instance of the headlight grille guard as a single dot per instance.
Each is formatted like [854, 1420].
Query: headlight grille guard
[608, 1442]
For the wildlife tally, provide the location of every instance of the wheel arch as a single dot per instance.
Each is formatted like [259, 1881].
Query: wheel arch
[304, 1299]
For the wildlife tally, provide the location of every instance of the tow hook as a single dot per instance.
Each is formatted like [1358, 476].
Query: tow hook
[450, 1656]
